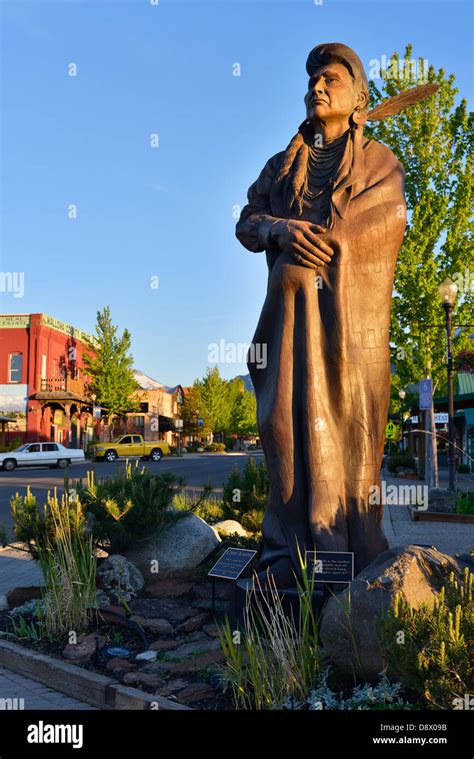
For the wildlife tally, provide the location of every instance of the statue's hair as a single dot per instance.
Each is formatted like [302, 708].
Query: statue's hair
[294, 167]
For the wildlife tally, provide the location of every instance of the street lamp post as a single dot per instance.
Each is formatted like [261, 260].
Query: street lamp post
[402, 395]
[448, 291]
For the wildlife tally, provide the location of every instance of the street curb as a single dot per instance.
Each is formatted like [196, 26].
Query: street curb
[82, 684]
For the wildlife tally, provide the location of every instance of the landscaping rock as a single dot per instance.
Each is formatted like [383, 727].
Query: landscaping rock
[146, 679]
[211, 630]
[84, 649]
[117, 665]
[194, 623]
[18, 596]
[178, 548]
[168, 588]
[195, 692]
[441, 501]
[146, 656]
[187, 665]
[113, 615]
[199, 662]
[351, 640]
[174, 686]
[164, 645]
[158, 626]
[204, 590]
[163, 608]
[119, 578]
[196, 648]
[230, 527]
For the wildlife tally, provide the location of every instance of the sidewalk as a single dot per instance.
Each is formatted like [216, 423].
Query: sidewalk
[33, 695]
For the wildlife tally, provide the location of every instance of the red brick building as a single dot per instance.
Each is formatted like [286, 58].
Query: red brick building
[42, 380]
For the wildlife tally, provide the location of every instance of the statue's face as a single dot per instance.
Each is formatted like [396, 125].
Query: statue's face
[331, 94]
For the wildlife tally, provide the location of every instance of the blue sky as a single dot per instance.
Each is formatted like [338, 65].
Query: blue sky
[167, 212]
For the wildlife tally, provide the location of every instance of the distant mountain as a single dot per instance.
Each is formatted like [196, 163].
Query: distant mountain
[247, 382]
[148, 383]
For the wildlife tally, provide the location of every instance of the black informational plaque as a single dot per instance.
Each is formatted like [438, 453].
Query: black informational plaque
[232, 563]
[331, 566]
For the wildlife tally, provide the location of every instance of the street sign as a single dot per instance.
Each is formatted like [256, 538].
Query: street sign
[200, 422]
[426, 394]
[392, 431]
[440, 418]
[331, 566]
[232, 563]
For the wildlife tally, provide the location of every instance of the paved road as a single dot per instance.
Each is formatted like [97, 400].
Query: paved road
[198, 470]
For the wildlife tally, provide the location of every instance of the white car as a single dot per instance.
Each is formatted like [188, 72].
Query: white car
[38, 454]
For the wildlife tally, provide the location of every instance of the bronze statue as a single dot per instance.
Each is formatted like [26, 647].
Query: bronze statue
[330, 213]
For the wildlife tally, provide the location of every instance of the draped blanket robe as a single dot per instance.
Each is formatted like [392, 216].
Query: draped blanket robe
[322, 398]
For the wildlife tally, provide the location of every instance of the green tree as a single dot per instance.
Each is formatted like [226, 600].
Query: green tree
[192, 409]
[433, 140]
[243, 409]
[109, 366]
[215, 395]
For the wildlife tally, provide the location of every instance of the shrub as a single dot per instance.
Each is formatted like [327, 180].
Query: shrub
[131, 506]
[14, 443]
[253, 520]
[207, 508]
[402, 460]
[247, 491]
[435, 655]
[465, 503]
[215, 448]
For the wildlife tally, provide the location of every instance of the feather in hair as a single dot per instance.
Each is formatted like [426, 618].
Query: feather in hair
[399, 102]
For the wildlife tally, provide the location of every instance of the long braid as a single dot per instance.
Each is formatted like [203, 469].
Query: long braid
[294, 167]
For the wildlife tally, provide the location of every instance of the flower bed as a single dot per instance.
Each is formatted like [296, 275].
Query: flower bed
[176, 618]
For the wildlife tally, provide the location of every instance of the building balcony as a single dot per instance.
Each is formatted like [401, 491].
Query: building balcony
[57, 388]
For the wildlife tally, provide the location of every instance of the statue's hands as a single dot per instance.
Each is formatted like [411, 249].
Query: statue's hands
[302, 240]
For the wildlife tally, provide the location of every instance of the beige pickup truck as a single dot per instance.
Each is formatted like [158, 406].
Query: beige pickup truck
[128, 446]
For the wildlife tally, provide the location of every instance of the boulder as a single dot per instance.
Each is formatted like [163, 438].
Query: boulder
[440, 500]
[3, 603]
[119, 578]
[350, 635]
[177, 549]
[18, 596]
[230, 527]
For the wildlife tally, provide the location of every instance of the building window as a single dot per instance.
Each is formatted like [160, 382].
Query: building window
[16, 367]
[140, 422]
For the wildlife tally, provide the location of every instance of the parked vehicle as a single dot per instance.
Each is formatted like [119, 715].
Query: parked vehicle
[129, 446]
[37, 454]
